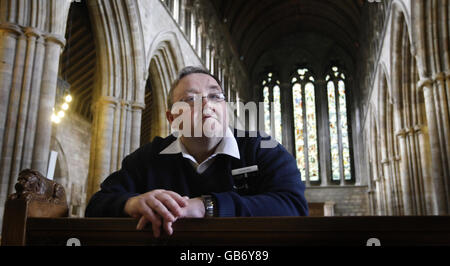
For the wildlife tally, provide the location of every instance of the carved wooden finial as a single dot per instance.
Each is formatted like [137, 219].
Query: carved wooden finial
[32, 185]
[45, 197]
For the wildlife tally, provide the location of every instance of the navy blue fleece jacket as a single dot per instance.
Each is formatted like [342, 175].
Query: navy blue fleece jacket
[276, 189]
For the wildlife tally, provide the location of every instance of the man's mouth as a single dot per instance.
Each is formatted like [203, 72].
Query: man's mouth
[206, 117]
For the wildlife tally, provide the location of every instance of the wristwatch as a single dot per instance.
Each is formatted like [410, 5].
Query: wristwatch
[209, 203]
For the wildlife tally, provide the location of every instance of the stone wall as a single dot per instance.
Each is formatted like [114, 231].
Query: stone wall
[349, 200]
[72, 139]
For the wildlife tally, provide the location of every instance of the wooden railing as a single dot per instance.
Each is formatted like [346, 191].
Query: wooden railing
[273, 231]
[26, 223]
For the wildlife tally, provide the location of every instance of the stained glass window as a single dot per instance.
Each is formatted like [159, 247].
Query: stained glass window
[272, 106]
[266, 109]
[339, 137]
[277, 112]
[304, 104]
[307, 128]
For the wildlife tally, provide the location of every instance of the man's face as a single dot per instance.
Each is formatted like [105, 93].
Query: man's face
[208, 114]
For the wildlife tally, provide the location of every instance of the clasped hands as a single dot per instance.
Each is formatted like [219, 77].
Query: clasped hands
[162, 208]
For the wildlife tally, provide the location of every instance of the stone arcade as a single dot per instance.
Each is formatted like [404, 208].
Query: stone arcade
[383, 150]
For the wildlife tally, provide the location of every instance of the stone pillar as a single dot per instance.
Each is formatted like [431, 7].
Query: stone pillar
[437, 171]
[387, 187]
[324, 134]
[430, 23]
[31, 42]
[287, 115]
[420, 166]
[405, 175]
[100, 164]
[136, 113]
[47, 102]
[119, 89]
[424, 151]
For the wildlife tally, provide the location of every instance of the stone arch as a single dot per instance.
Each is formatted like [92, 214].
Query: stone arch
[410, 129]
[168, 41]
[401, 47]
[388, 153]
[165, 61]
[383, 75]
[118, 88]
[401, 13]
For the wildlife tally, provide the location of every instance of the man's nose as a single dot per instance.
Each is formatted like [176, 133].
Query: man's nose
[205, 100]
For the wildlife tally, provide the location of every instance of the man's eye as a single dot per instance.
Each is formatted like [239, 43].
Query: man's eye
[214, 96]
[189, 99]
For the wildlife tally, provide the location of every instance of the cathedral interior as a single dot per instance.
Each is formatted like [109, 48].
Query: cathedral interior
[356, 90]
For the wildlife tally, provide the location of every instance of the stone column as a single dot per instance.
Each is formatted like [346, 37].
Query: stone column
[437, 173]
[31, 42]
[387, 186]
[47, 101]
[119, 89]
[102, 129]
[430, 23]
[405, 175]
[324, 132]
[287, 115]
[136, 112]
[424, 151]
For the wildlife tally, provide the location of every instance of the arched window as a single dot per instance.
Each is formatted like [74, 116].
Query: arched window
[272, 106]
[304, 108]
[339, 135]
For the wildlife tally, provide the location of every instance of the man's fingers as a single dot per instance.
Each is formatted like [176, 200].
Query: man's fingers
[142, 222]
[147, 216]
[155, 226]
[182, 201]
[170, 204]
[168, 227]
[160, 209]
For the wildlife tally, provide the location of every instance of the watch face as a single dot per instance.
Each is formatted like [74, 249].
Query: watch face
[209, 205]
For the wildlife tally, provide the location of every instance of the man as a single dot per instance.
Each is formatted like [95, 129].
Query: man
[208, 170]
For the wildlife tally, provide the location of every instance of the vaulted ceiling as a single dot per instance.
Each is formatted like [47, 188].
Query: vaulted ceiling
[256, 25]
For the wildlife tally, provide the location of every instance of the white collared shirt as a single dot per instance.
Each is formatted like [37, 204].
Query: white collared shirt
[227, 145]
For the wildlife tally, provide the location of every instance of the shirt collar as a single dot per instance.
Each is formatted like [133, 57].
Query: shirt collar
[227, 146]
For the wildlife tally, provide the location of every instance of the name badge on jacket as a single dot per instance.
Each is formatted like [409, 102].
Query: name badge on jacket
[241, 177]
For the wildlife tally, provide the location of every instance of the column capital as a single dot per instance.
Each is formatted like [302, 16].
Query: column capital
[61, 41]
[417, 128]
[9, 27]
[425, 83]
[107, 100]
[441, 76]
[32, 32]
[401, 132]
[138, 105]
[384, 161]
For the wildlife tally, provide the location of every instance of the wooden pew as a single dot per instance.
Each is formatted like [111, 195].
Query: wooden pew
[269, 231]
[32, 221]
